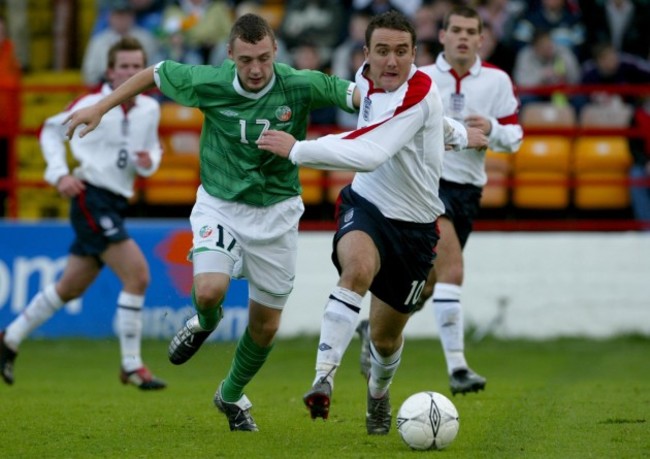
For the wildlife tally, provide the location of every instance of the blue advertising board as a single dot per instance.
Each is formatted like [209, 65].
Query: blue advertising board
[33, 255]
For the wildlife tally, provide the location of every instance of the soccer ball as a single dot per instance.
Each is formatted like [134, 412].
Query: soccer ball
[427, 420]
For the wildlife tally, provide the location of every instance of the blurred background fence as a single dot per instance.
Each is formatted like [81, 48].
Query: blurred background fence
[573, 172]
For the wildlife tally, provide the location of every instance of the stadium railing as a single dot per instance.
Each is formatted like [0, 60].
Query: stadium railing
[322, 187]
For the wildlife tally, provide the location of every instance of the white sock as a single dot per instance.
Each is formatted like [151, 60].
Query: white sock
[382, 370]
[42, 307]
[129, 329]
[449, 315]
[336, 331]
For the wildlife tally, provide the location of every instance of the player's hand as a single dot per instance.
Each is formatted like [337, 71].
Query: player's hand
[476, 138]
[143, 159]
[89, 116]
[480, 122]
[277, 142]
[70, 186]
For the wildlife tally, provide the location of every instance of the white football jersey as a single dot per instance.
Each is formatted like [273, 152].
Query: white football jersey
[487, 91]
[397, 149]
[107, 155]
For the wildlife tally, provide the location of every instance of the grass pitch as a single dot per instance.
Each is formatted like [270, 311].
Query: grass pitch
[557, 399]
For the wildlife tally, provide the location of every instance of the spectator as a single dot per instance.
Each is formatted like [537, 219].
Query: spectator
[496, 52]
[121, 23]
[342, 53]
[10, 75]
[313, 21]
[565, 27]
[624, 23]
[18, 29]
[426, 52]
[175, 48]
[428, 19]
[11, 72]
[502, 16]
[203, 23]
[346, 120]
[544, 63]
[308, 57]
[427, 23]
[376, 7]
[220, 52]
[148, 14]
[612, 67]
[9, 82]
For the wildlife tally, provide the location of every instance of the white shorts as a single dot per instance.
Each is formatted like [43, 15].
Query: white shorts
[243, 241]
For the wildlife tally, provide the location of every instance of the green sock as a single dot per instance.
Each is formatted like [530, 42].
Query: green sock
[208, 318]
[249, 358]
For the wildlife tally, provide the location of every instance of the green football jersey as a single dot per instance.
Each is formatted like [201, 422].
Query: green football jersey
[232, 166]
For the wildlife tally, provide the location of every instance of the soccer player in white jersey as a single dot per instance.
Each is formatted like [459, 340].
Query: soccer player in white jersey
[124, 145]
[386, 218]
[481, 96]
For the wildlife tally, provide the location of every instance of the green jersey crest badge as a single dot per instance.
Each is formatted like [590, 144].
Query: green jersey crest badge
[283, 113]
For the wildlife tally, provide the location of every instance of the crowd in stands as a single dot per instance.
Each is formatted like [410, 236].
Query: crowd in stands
[537, 42]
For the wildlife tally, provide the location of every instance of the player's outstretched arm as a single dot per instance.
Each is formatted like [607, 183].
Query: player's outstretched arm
[91, 116]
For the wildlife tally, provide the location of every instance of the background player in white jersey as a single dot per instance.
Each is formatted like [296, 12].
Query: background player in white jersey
[481, 96]
[245, 220]
[386, 218]
[124, 145]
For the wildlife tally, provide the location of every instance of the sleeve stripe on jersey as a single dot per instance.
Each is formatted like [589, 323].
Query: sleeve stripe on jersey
[419, 86]
[511, 119]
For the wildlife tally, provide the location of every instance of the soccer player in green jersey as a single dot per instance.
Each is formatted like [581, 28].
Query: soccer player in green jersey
[245, 220]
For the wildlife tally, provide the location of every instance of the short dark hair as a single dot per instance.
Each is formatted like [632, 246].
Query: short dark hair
[540, 34]
[392, 20]
[250, 28]
[601, 48]
[463, 11]
[125, 44]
